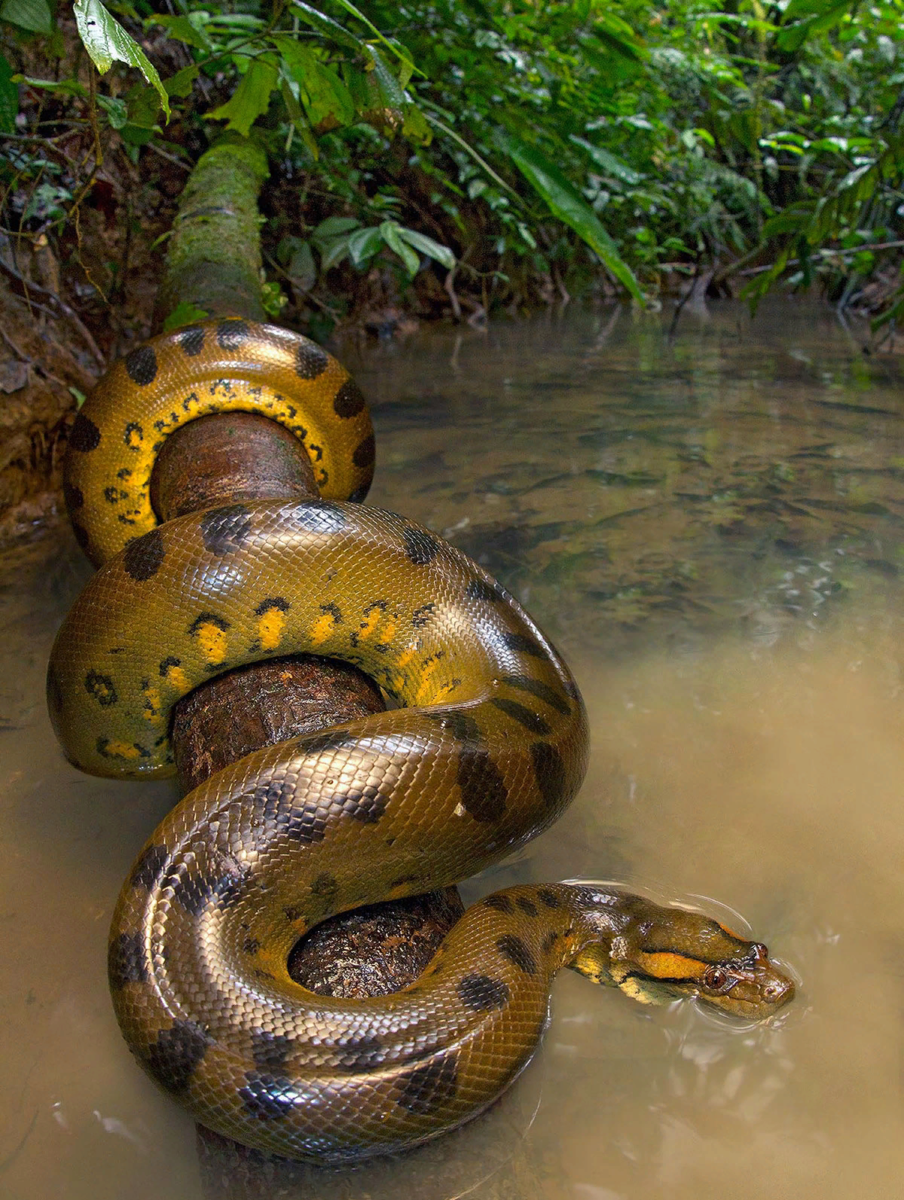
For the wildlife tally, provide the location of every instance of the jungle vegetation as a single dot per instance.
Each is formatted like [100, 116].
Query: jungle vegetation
[490, 152]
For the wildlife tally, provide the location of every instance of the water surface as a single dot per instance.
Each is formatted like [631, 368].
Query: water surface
[710, 527]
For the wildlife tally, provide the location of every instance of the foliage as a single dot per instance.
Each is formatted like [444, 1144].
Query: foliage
[530, 147]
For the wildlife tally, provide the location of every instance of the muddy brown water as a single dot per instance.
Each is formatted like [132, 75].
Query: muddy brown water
[711, 528]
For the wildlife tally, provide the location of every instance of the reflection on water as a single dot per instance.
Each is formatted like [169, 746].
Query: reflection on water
[711, 529]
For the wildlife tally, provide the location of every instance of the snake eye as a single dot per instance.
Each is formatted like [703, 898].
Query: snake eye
[716, 979]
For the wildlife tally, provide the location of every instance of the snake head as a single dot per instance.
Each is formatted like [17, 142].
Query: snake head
[669, 953]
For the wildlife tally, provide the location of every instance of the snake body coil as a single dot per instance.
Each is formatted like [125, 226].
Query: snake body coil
[488, 747]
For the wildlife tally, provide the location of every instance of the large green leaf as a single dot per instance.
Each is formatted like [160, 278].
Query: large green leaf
[249, 99]
[426, 245]
[566, 203]
[107, 42]
[326, 25]
[325, 95]
[33, 15]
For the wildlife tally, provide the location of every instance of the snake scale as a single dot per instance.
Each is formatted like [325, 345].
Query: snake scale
[487, 747]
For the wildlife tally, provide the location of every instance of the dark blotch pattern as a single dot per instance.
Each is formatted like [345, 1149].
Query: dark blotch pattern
[428, 1088]
[420, 547]
[524, 716]
[359, 1054]
[225, 529]
[101, 687]
[462, 727]
[148, 866]
[310, 360]
[365, 453]
[320, 742]
[366, 806]
[277, 602]
[192, 341]
[320, 516]
[208, 618]
[74, 496]
[481, 993]
[359, 494]
[479, 589]
[548, 897]
[231, 334]
[517, 951]
[143, 557]
[541, 690]
[172, 1059]
[301, 823]
[549, 770]
[524, 645]
[483, 790]
[270, 1050]
[325, 885]
[527, 906]
[500, 903]
[81, 536]
[84, 435]
[126, 961]
[267, 1097]
[141, 364]
[349, 400]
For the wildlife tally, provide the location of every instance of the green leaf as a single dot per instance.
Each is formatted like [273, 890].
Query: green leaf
[391, 44]
[33, 15]
[183, 81]
[327, 26]
[249, 99]
[65, 87]
[331, 228]
[608, 162]
[289, 91]
[390, 231]
[107, 42]
[426, 245]
[116, 110]
[363, 244]
[185, 29]
[9, 98]
[185, 313]
[325, 95]
[566, 203]
[391, 93]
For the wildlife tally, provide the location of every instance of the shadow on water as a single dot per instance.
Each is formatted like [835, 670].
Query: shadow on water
[710, 526]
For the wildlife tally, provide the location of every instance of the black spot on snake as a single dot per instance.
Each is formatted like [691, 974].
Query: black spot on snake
[175, 1055]
[366, 806]
[268, 1097]
[358, 1054]
[132, 435]
[166, 663]
[195, 891]
[421, 616]
[359, 493]
[141, 364]
[541, 690]
[143, 557]
[349, 400]
[481, 993]
[365, 453]
[148, 866]
[524, 716]
[527, 906]
[524, 645]
[479, 589]
[500, 903]
[310, 360]
[81, 535]
[550, 940]
[225, 530]
[304, 824]
[548, 897]
[516, 950]
[84, 435]
[113, 495]
[325, 885]
[483, 790]
[319, 516]
[231, 334]
[462, 727]
[126, 961]
[428, 1088]
[549, 770]
[74, 496]
[277, 602]
[250, 945]
[270, 1050]
[192, 341]
[102, 688]
[420, 547]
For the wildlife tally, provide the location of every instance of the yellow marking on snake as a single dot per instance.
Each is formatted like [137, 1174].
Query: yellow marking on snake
[394, 803]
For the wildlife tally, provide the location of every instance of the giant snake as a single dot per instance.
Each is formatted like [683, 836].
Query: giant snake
[487, 747]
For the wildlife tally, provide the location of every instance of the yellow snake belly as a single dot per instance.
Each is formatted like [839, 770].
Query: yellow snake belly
[487, 747]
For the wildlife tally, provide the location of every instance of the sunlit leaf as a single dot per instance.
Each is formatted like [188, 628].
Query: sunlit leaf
[250, 98]
[426, 245]
[107, 42]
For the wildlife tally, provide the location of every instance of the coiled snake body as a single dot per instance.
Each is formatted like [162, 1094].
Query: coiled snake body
[488, 747]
